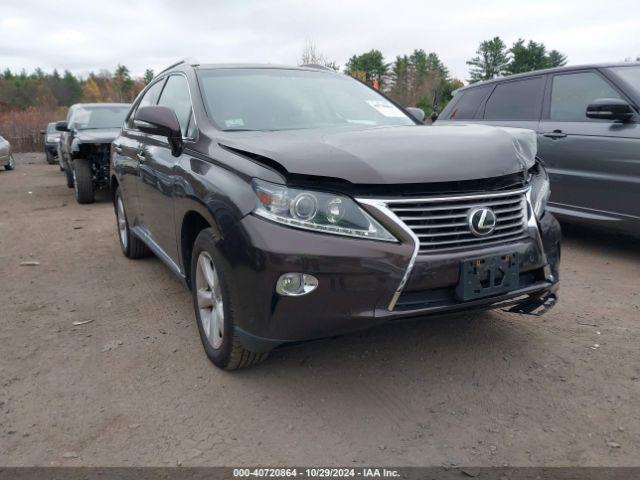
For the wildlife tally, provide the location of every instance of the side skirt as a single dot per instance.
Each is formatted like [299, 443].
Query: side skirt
[146, 237]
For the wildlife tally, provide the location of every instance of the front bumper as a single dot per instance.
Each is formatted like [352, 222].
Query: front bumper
[359, 278]
[51, 148]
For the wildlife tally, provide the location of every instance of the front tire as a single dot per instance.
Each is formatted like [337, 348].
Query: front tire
[83, 181]
[49, 157]
[11, 164]
[69, 175]
[214, 297]
[132, 246]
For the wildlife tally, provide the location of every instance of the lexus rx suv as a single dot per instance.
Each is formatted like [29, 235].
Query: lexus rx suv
[587, 119]
[297, 203]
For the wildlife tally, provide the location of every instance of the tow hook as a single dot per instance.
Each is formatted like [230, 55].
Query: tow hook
[536, 306]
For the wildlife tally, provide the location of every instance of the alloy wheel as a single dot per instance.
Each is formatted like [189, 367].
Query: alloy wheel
[122, 223]
[209, 298]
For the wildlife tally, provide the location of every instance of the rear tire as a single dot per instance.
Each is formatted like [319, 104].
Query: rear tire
[214, 297]
[83, 181]
[11, 163]
[132, 246]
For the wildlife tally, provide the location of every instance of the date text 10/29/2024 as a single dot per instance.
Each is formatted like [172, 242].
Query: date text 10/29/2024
[316, 472]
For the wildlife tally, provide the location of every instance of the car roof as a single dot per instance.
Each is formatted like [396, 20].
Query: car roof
[262, 66]
[99, 105]
[549, 70]
[221, 66]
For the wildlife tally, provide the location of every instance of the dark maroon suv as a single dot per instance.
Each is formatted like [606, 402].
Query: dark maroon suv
[298, 203]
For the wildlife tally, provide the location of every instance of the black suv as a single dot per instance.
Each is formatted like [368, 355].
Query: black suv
[85, 143]
[587, 119]
[51, 143]
[298, 203]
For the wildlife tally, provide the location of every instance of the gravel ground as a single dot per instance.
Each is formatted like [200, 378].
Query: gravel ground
[133, 386]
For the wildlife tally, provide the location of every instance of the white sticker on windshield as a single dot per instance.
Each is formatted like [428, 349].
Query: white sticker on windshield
[234, 123]
[386, 108]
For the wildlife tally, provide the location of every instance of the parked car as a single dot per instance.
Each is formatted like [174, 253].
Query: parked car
[51, 140]
[85, 143]
[588, 125]
[298, 203]
[6, 157]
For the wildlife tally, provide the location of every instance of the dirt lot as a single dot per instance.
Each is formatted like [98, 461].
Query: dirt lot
[133, 386]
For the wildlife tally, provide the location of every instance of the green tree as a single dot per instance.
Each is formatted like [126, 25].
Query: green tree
[122, 84]
[70, 90]
[368, 66]
[532, 56]
[490, 61]
[148, 76]
[419, 79]
[556, 59]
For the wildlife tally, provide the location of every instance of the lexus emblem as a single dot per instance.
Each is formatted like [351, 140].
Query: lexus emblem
[482, 221]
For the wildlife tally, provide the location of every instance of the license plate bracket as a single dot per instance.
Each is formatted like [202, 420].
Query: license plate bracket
[483, 277]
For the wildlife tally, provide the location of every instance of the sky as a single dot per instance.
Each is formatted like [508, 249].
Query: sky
[89, 35]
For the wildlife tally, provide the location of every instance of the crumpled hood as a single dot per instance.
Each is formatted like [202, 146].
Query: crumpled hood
[97, 135]
[395, 155]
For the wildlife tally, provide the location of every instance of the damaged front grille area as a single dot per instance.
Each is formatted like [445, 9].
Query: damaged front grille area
[442, 223]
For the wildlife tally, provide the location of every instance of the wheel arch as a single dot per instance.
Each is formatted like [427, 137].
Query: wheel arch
[113, 184]
[194, 220]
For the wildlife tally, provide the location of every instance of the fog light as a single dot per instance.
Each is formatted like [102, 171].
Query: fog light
[296, 284]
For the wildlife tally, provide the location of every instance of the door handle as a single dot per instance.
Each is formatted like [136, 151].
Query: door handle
[117, 148]
[555, 134]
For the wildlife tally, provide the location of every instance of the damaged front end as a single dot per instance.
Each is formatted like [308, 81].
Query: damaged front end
[98, 155]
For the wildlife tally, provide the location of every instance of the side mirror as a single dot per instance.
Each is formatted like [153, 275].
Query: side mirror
[162, 121]
[610, 109]
[62, 127]
[416, 113]
[434, 116]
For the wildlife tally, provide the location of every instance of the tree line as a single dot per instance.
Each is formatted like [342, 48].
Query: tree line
[494, 59]
[421, 79]
[51, 90]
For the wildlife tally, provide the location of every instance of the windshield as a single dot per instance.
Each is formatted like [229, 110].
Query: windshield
[630, 75]
[280, 99]
[51, 128]
[99, 117]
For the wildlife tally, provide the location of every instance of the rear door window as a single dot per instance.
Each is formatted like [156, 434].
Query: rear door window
[571, 93]
[467, 106]
[516, 100]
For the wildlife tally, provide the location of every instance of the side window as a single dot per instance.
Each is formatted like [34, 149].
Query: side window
[467, 106]
[150, 98]
[175, 95]
[571, 94]
[519, 100]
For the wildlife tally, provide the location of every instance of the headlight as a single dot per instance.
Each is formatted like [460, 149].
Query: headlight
[540, 191]
[319, 211]
[51, 138]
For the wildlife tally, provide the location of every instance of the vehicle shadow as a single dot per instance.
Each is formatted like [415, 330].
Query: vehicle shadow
[609, 243]
[423, 344]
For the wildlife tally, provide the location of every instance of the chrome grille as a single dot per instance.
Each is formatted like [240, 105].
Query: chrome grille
[440, 223]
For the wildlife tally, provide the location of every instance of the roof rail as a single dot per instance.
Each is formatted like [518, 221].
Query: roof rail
[317, 66]
[190, 61]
